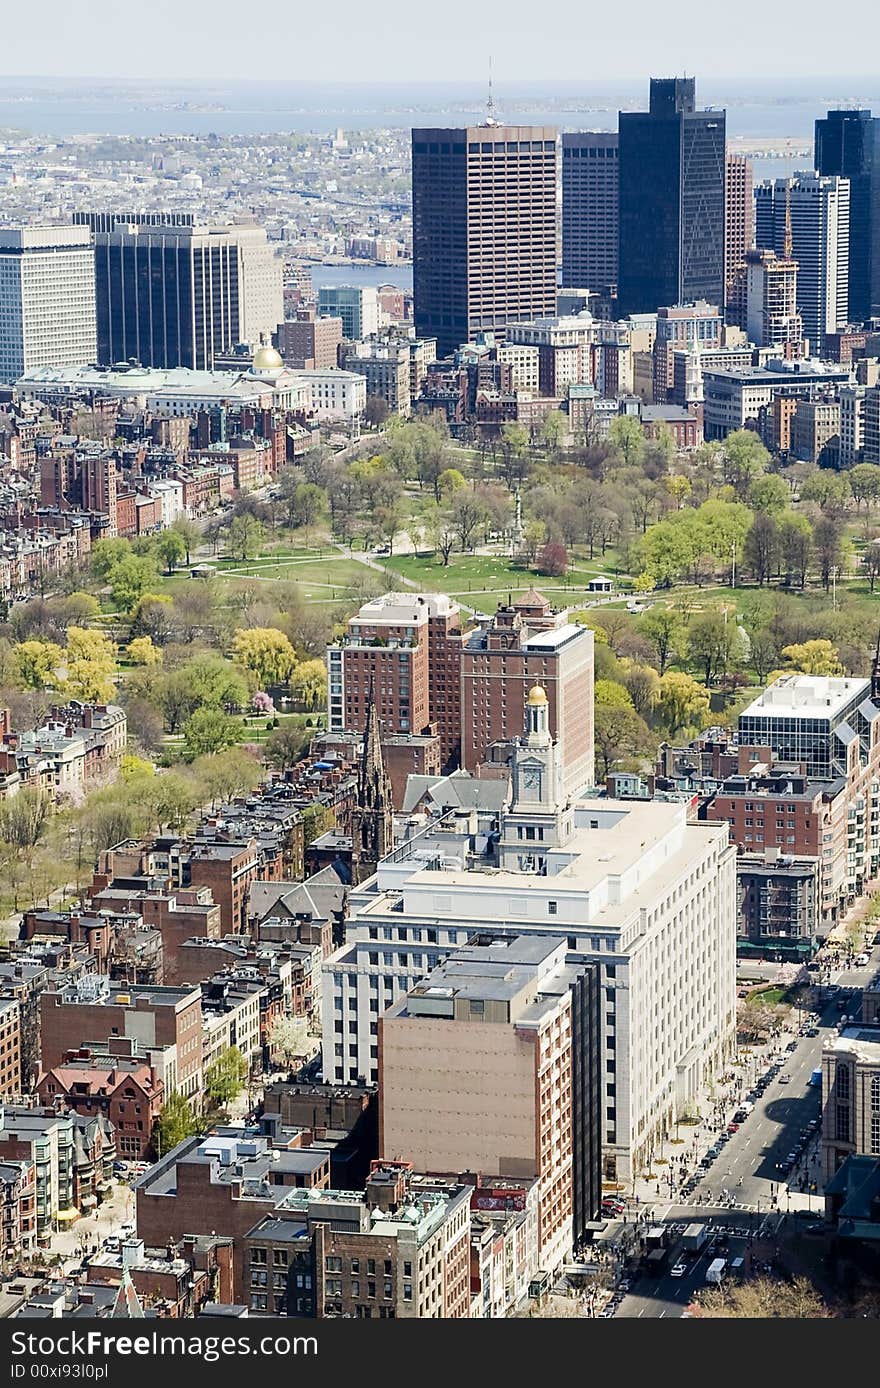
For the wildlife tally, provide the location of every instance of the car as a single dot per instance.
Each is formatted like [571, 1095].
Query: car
[111, 1243]
[785, 1079]
[812, 1031]
[678, 1270]
[607, 1313]
[706, 1162]
[733, 1127]
[792, 1046]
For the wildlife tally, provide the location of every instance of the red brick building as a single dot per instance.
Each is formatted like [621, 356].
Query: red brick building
[127, 1092]
[527, 643]
[157, 1016]
[407, 648]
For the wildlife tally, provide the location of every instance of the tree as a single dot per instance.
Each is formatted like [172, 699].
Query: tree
[770, 494]
[317, 819]
[173, 800]
[619, 733]
[305, 502]
[761, 549]
[468, 514]
[828, 543]
[553, 430]
[170, 548]
[285, 746]
[105, 554]
[176, 1123]
[308, 685]
[665, 629]
[89, 666]
[762, 1298]
[222, 775]
[376, 411]
[37, 663]
[245, 537]
[871, 561]
[210, 730]
[141, 651]
[642, 683]
[627, 438]
[24, 818]
[449, 482]
[289, 1039]
[816, 657]
[682, 704]
[831, 490]
[190, 534]
[714, 643]
[226, 1075]
[743, 459]
[266, 652]
[130, 579]
[553, 559]
[795, 542]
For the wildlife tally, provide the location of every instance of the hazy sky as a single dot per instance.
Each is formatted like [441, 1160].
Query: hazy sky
[341, 39]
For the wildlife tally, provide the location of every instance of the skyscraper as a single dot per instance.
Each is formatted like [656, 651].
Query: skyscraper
[812, 213]
[174, 293]
[589, 209]
[848, 144]
[484, 229]
[739, 219]
[672, 211]
[772, 318]
[47, 299]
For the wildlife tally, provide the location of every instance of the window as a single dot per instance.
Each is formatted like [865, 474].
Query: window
[552, 908]
[333, 1264]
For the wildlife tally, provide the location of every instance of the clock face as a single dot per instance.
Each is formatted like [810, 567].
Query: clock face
[531, 778]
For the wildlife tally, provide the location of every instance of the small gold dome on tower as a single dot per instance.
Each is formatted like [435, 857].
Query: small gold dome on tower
[537, 695]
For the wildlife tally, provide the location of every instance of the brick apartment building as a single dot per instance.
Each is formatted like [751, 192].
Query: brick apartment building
[126, 1091]
[10, 1049]
[399, 1250]
[407, 648]
[90, 1010]
[225, 1183]
[527, 643]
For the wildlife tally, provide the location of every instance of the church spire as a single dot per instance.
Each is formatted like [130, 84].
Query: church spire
[372, 820]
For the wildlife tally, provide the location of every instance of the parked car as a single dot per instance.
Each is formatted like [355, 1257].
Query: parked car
[678, 1270]
[785, 1079]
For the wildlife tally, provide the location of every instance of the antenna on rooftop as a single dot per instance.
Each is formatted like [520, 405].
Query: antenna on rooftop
[490, 100]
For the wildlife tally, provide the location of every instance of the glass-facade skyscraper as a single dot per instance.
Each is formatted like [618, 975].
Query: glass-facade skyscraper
[848, 145]
[672, 200]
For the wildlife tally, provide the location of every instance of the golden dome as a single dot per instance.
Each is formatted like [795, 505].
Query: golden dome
[537, 695]
[267, 359]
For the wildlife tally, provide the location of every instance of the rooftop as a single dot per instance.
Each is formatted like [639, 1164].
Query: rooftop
[807, 696]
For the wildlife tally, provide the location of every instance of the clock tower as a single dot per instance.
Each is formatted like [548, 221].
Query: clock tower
[537, 818]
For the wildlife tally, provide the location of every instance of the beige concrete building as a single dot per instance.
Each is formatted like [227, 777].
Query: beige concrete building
[850, 1097]
[476, 1074]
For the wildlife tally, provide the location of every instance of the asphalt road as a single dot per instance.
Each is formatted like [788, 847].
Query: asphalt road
[749, 1169]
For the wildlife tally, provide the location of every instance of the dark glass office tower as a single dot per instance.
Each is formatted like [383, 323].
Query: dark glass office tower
[484, 229]
[167, 291]
[589, 210]
[848, 144]
[672, 210]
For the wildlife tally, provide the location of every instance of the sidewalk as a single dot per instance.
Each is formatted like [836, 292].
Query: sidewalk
[674, 1161]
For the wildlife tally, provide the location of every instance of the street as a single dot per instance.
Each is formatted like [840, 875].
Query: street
[752, 1169]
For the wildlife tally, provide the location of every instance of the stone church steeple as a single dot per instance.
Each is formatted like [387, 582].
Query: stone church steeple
[372, 821]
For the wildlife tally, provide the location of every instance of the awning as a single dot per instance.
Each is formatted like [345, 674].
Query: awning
[67, 1215]
[88, 1201]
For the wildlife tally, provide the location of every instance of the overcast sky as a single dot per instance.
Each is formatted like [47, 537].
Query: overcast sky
[344, 40]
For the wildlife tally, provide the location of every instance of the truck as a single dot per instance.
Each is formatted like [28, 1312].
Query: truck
[715, 1271]
[694, 1237]
[816, 1076]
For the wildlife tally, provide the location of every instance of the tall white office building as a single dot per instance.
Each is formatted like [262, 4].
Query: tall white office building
[632, 886]
[47, 299]
[807, 218]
